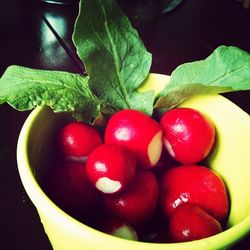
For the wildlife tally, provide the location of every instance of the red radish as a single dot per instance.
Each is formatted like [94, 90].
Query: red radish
[67, 185]
[190, 222]
[136, 204]
[137, 131]
[111, 168]
[77, 139]
[197, 184]
[119, 228]
[188, 135]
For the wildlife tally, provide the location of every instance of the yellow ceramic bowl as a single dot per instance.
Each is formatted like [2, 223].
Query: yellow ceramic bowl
[231, 159]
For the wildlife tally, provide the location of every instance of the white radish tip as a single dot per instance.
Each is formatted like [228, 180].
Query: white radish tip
[169, 148]
[108, 186]
[155, 148]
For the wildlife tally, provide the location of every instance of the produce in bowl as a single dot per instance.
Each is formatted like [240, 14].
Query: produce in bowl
[188, 135]
[138, 132]
[79, 235]
[118, 81]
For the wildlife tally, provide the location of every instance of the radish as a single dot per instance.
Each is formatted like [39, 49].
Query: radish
[190, 222]
[111, 168]
[137, 131]
[197, 184]
[67, 185]
[136, 204]
[77, 139]
[188, 134]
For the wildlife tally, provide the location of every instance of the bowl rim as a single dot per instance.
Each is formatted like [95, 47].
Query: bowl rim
[45, 206]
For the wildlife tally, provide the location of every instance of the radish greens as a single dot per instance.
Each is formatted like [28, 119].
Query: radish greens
[117, 63]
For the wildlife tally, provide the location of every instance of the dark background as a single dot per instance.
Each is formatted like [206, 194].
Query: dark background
[38, 35]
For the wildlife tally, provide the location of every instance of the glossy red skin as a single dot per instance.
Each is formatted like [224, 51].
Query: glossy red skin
[137, 204]
[117, 163]
[135, 130]
[78, 139]
[190, 222]
[67, 185]
[190, 134]
[197, 184]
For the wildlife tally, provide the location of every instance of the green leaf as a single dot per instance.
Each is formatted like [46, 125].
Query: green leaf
[226, 69]
[24, 88]
[114, 56]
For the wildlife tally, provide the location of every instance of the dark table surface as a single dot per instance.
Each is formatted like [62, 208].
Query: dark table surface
[38, 35]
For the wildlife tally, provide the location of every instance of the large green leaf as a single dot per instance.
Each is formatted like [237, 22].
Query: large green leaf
[114, 55]
[24, 88]
[226, 69]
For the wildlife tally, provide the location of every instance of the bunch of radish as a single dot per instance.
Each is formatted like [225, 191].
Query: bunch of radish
[141, 179]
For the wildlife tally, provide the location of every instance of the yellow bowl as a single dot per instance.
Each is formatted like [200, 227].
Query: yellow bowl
[231, 159]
